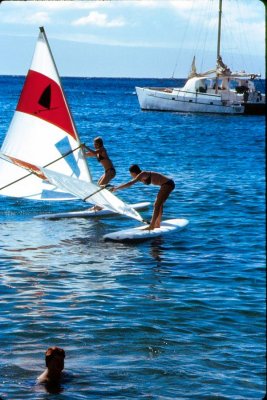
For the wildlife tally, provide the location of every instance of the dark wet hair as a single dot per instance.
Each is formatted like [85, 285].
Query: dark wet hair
[51, 352]
[135, 169]
[99, 140]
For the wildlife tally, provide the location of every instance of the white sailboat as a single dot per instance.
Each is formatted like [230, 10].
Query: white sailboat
[42, 140]
[216, 91]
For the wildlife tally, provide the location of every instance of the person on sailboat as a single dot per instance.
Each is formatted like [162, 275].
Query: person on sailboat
[102, 156]
[166, 187]
[54, 361]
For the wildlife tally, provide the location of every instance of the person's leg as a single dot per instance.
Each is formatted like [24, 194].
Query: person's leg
[106, 177]
[156, 213]
[103, 181]
[158, 220]
[162, 196]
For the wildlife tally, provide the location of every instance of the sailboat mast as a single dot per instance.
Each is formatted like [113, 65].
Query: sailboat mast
[218, 42]
[219, 30]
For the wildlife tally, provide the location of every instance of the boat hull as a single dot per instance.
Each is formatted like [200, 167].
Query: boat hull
[255, 108]
[159, 100]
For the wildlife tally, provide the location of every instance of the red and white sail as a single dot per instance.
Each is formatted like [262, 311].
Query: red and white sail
[42, 132]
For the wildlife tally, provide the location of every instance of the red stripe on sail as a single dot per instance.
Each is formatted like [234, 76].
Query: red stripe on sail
[43, 98]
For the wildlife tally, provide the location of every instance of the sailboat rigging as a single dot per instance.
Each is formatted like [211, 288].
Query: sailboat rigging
[219, 90]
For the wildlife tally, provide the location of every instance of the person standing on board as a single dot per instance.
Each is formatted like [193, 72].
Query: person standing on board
[166, 187]
[102, 156]
[54, 361]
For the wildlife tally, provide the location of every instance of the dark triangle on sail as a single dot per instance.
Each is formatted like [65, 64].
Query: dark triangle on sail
[45, 98]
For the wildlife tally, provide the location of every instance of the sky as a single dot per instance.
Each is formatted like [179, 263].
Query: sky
[128, 38]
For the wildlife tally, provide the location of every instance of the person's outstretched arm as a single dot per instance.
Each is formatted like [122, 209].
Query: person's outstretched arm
[125, 185]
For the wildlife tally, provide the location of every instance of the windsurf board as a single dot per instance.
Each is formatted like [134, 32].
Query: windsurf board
[140, 233]
[89, 213]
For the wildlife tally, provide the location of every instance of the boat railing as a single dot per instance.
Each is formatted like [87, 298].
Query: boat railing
[197, 93]
[182, 92]
[162, 89]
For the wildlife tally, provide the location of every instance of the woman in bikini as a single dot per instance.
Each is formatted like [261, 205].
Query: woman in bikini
[166, 187]
[102, 156]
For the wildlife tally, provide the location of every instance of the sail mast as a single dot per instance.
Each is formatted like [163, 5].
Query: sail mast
[218, 42]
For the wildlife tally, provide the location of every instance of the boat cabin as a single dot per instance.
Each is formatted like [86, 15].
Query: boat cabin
[196, 84]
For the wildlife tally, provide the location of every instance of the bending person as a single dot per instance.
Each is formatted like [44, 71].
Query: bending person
[166, 187]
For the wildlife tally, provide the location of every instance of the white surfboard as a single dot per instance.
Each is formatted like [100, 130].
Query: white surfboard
[140, 233]
[88, 213]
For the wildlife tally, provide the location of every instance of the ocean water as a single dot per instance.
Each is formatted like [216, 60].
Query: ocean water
[179, 317]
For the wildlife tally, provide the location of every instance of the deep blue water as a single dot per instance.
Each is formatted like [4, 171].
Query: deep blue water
[181, 317]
